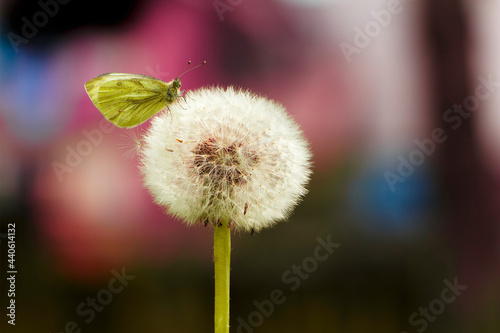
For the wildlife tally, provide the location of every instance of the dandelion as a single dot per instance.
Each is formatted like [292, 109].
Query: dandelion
[231, 160]
[229, 156]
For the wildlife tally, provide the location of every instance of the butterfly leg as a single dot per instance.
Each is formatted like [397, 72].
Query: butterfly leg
[189, 96]
[169, 112]
[181, 95]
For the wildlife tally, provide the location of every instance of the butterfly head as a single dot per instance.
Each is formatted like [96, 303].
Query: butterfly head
[176, 84]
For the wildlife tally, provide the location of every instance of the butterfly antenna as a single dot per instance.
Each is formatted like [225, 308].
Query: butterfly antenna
[184, 69]
[189, 62]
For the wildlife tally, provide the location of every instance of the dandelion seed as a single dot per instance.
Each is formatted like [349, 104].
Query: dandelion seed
[131, 143]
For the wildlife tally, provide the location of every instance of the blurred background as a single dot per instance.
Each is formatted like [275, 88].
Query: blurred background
[399, 100]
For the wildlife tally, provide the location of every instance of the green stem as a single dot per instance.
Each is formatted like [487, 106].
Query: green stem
[222, 259]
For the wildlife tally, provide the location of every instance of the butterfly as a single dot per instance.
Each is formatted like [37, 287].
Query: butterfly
[128, 100]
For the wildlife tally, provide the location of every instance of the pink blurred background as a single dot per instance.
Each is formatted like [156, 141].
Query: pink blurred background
[78, 218]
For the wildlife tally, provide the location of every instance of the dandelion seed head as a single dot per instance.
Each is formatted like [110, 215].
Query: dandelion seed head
[228, 156]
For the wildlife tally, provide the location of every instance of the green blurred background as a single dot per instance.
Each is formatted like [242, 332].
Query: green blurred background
[368, 81]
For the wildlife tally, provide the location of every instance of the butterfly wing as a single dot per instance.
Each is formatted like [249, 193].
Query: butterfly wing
[127, 100]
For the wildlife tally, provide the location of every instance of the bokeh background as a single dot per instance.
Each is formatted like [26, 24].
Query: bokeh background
[362, 101]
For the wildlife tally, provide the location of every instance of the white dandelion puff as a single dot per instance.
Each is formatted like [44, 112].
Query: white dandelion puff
[229, 156]
[131, 144]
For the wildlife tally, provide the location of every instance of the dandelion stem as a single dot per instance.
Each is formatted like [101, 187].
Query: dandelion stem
[222, 259]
